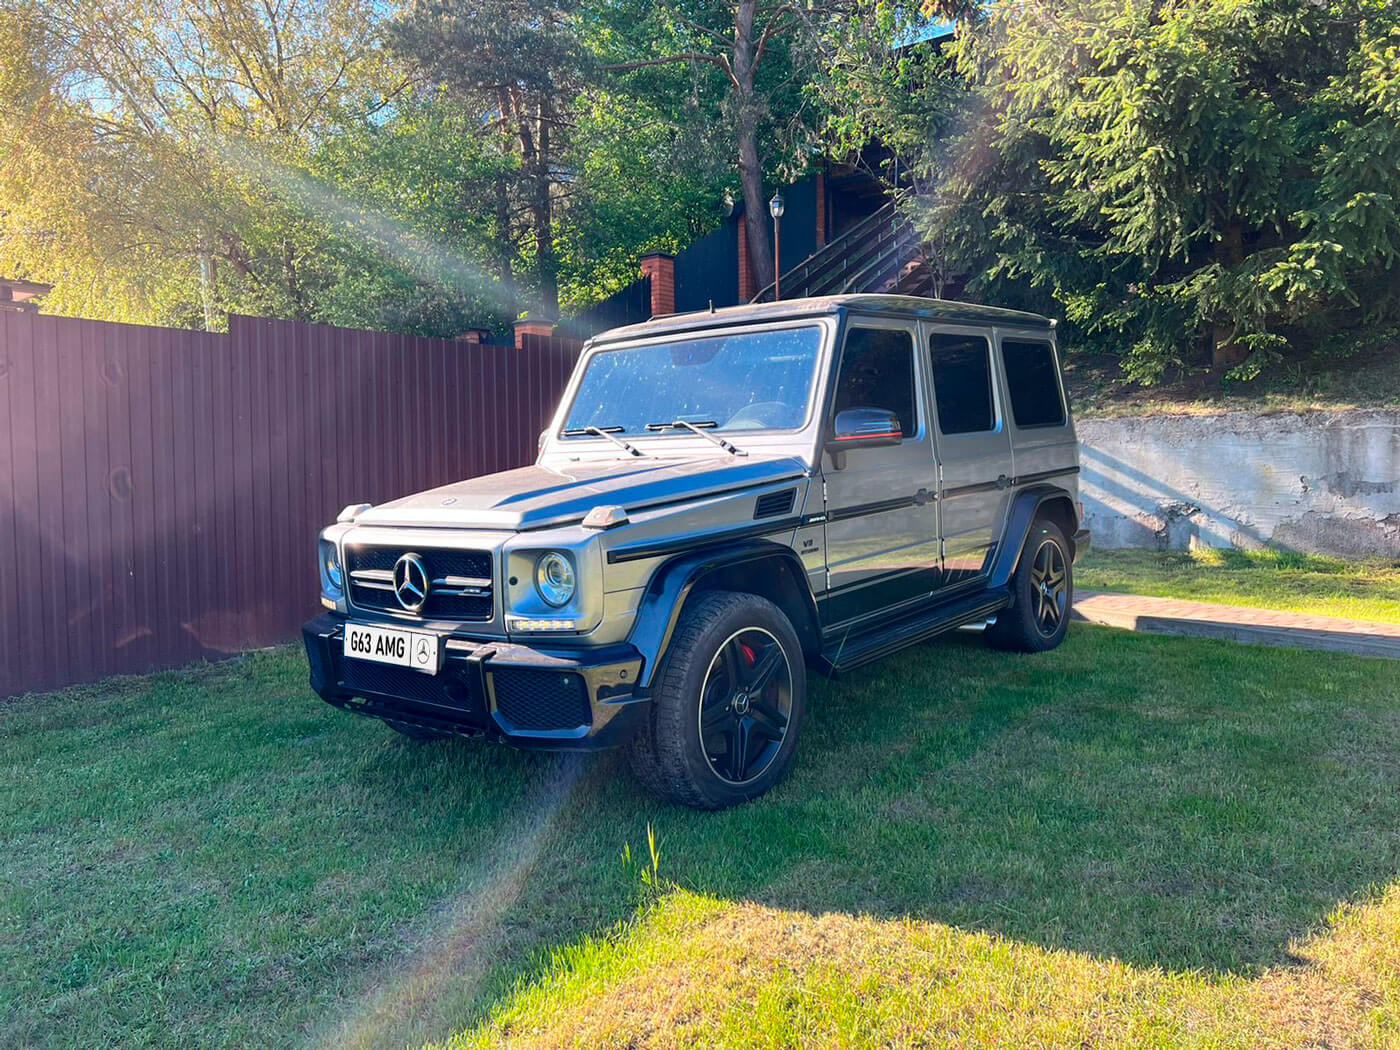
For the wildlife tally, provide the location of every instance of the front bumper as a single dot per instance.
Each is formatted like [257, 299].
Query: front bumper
[577, 699]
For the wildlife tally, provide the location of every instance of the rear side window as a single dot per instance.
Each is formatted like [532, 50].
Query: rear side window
[877, 371]
[1033, 383]
[962, 382]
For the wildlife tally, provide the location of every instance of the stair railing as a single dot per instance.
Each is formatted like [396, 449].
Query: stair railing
[862, 258]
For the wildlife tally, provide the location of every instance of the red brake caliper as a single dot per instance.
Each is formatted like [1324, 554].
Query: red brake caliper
[749, 655]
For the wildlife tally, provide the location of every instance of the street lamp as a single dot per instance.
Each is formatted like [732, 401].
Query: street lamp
[775, 209]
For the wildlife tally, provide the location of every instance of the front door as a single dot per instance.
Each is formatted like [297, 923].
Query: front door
[882, 515]
[974, 445]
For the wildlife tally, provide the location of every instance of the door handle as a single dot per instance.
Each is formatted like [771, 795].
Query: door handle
[923, 496]
[1003, 481]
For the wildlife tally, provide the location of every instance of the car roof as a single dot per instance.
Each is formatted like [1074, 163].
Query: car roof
[903, 306]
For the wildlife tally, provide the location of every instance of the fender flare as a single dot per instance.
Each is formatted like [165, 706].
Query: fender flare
[1024, 510]
[672, 582]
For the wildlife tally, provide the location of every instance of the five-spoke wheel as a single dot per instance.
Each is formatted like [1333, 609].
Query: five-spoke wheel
[745, 705]
[1042, 593]
[726, 706]
[1049, 586]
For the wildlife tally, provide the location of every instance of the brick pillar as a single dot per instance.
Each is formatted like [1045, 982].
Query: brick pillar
[747, 289]
[661, 268]
[475, 336]
[544, 329]
[821, 209]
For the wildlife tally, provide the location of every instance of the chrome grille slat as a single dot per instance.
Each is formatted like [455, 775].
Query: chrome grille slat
[461, 587]
[381, 575]
[479, 582]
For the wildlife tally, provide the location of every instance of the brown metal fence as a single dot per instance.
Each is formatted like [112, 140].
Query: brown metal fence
[160, 489]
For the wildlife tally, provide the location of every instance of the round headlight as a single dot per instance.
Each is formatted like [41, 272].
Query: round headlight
[554, 578]
[330, 564]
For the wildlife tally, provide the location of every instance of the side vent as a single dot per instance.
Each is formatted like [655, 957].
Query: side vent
[771, 504]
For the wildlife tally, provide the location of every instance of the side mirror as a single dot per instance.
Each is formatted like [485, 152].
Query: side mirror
[864, 428]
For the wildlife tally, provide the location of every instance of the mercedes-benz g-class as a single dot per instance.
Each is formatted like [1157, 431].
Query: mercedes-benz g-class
[723, 502]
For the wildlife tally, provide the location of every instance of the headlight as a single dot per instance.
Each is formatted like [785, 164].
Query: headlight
[332, 577]
[554, 578]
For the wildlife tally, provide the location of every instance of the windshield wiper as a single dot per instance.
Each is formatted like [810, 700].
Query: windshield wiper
[695, 428]
[607, 434]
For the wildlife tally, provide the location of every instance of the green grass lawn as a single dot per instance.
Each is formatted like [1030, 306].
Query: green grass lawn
[1132, 840]
[1266, 579]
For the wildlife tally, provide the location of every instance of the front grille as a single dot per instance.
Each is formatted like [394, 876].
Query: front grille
[370, 572]
[541, 700]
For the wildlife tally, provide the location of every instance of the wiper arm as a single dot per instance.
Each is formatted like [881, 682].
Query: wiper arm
[695, 428]
[606, 433]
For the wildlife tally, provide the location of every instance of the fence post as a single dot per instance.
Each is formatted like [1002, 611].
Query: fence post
[543, 329]
[660, 269]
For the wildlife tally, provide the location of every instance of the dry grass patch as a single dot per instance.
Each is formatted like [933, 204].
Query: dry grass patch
[696, 971]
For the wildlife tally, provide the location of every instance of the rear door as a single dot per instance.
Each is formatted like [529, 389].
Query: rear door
[974, 446]
[882, 516]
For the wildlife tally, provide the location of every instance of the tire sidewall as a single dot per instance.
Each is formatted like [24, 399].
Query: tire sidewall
[1036, 640]
[687, 670]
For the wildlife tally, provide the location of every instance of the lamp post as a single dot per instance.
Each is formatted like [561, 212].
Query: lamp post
[775, 209]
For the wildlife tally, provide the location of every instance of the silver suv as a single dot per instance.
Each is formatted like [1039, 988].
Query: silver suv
[723, 502]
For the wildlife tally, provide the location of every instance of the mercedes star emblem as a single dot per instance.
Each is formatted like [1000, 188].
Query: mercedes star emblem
[411, 582]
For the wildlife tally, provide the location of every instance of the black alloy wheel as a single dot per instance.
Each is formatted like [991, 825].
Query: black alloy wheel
[1042, 594]
[745, 705]
[726, 705]
[1049, 586]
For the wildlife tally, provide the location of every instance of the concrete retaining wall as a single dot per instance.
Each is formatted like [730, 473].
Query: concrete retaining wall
[1320, 482]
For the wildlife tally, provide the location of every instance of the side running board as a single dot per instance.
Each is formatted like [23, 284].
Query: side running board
[847, 651]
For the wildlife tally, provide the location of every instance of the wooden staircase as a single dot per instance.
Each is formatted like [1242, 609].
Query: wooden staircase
[882, 253]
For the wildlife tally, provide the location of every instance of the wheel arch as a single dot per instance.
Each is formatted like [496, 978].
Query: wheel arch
[762, 567]
[1036, 502]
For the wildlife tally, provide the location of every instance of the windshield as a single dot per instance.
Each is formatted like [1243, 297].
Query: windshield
[743, 381]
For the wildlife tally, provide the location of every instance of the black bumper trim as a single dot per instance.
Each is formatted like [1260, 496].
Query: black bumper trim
[1080, 542]
[467, 705]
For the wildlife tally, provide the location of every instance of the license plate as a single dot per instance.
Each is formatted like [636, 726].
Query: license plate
[389, 645]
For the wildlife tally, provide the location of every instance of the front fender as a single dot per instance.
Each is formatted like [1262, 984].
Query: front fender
[673, 582]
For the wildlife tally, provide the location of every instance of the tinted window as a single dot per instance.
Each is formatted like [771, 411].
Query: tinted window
[1032, 381]
[877, 371]
[962, 383]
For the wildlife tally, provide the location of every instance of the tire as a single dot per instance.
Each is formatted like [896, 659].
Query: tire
[416, 733]
[1042, 592]
[740, 655]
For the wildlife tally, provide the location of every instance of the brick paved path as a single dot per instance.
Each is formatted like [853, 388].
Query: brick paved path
[1238, 623]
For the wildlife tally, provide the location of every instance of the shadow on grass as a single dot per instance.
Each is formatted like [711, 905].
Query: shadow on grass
[232, 859]
[1176, 804]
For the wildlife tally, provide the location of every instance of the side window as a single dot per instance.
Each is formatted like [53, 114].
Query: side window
[877, 371]
[962, 382]
[1033, 383]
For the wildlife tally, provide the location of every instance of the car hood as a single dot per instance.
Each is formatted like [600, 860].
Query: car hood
[534, 497]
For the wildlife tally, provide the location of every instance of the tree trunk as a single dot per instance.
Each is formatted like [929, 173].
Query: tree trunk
[1225, 352]
[206, 286]
[747, 109]
[756, 219]
[546, 263]
[505, 248]
[534, 155]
